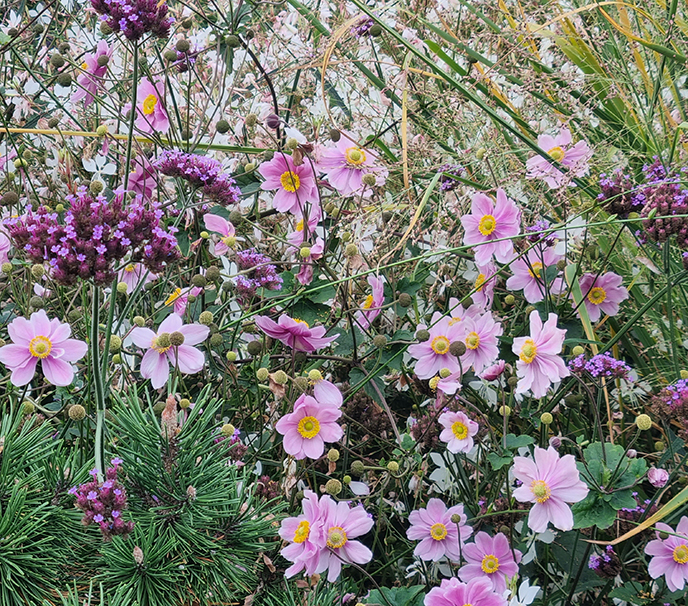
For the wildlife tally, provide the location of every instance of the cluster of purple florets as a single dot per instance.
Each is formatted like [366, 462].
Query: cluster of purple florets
[260, 274]
[362, 27]
[134, 18]
[104, 502]
[450, 174]
[674, 395]
[237, 449]
[538, 233]
[606, 564]
[618, 195]
[200, 171]
[601, 365]
[95, 235]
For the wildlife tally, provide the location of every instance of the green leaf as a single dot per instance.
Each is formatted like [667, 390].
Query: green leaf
[498, 462]
[397, 596]
[593, 511]
[514, 442]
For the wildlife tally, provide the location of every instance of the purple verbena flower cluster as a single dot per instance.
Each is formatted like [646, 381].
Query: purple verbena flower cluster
[134, 18]
[538, 233]
[607, 565]
[200, 171]
[601, 365]
[263, 274]
[104, 502]
[450, 173]
[617, 194]
[95, 235]
[674, 395]
[362, 27]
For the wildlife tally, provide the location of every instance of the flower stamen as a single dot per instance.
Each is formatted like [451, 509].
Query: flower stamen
[40, 347]
[309, 427]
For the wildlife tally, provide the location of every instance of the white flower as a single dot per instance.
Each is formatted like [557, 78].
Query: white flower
[525, 596]
[99, 166]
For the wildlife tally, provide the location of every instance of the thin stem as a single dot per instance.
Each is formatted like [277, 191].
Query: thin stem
[132, 117]
[98, 382]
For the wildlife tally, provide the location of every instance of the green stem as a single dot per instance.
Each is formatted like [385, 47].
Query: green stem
[132, 117]
[98, 382]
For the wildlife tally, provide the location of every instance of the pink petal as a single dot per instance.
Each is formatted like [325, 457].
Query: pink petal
[155, 367]
[57, 371]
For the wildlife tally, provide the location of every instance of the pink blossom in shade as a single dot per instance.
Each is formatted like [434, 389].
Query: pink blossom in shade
[158, 357]
[340, 524]
[151, 115]
[492, 373]
[490, 558]
[433, 355]
[539, 364]
[40, 339]
[575, 158]
[305, 275]
[295, 333]
[490, 221]
[658, 477]
[602, 294]
[529, 275]
[295, 185]
[451, 384]
[370, 309]
[132, 274]
[484, 285]
[670, 555]
[452, 592]
[179, 299]
[438, 535]
[5, 246]
[309, 426]
[91, 78]
[458, 431]
[302, 532]
[225, 229]
[345, 164]
[480, 336]
[305, 228]
[549, 482]
[143, 179]
[457, 312]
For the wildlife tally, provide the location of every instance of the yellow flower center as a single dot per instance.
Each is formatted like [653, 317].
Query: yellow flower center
[440, 345]
[479, 282]
[229, 241]
[368, 303]
[301, 322]
[455, 320]
[355, 156]
[129, 268]
[459, 430]
[597, 295]
[557, 153]
[149, 104]
[490, 564]
[299, 225]
[302, 531]
[681, 554]
[535, 269]
[434, 382]
[473, 340]
[438, 531]
[290, 181]
[487, 225]
[336, 537]
[161, 343]
[309, 427]
[84, 66]
[528, 351]
[174, 296]
[540, 490]
[40, 347]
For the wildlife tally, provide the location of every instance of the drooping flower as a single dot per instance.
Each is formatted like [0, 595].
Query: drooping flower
[490, 558]
[161, 352]
[303, 533]
[143, 178]
[309, 426]
[574, 158]
[295, 333]
[132, 274]
[438, 535]
[91, 78]
[602, 294]
[549, 482]
[529, 275]
[40, 339]
[452, 592]
[151, 115]
[658, 477]
[539, 364]
[295, 185]
[370, 309]
[179, 298]
[670, 555]
[480, 337]
[225, 229]
[488, 222]
[305, 274]
[458, 431]
[433, 355]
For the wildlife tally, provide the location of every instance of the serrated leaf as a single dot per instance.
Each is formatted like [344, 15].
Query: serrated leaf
[593, 511]
[514, 442]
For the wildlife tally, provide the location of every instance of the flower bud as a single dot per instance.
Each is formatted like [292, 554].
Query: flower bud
[335, 135]
[184, 403]
[233, 41]
[578, 350]
[346, 480]
[57, 60]
[215, 340]
[369, 180]
[333, 455]
[280, 377]
[77, 412]
[505, 410]
[350, 250]
[122, 288]
[314, 375]
[183, 45]
[405, 300]
[231, 356]
[10, 198]
[333, 487]
[262, 374]
[163, 340]
[301, 383]
[631, 453]
[457, 348]
[176, 338]
[213, 273]
[546, 418]
[206, 318]
[115, 343]
[644, 422]
[139, 321]
[227, 430]
[305, 252]
[272, 121]
[28, 407]
[684, 374]
[379, 341]
[346, 236]
[561, 264]
[512, 381]
[444, 373]
[375, 30]
[138, 556]
[480, 153]
[254, 348]
[116, 359]
[455, 518]
[357, 468]
[64, 79]
[36, 302]
[393, 467]
[222, 126]
[199, 281]
[251, 120]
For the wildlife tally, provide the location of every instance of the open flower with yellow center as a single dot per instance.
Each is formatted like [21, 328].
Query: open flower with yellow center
[355, 156]
[670, 555]
[336, 537]
[549, 482]
[560, 149]
[481, 340]
[458, 431]
[39, 339]
[149, 104]
[151, 113]
[290, 181]
[295, 333]
[490, 558]
[438, 535]
[557, 153]
[603, 294]
[487, 225]
[295, 185]
[302, 533]
[433, 355]
[529, 274]
[220, 225]
[371, 307]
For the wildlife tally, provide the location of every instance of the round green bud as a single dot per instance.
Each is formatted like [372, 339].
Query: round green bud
[205, 235]
[116, 359]
[405, 300]
[357, 468]
[292, 143]
[170, 55]
[122, 288]
[379, 341]
[206, 318]
[305, 252]
[158, 408]
[28, 407]
[20, 163]
[333, 455]
[186, 134]
[422, 335]
[510, 299]
[505, 410]
[184, 403]
[189, 298]
[10, 198]
[457, 348]
[663, 536]
[314, 375]
[512, 381]
[350, 250]
[212, 274]
[644, 422]
[53, 122]
[578, 351]
[369, 180]
[262, 374]
[38, 28]
[235, 217]
[346, 480]
[232, 41]
[684, 374]
[177, 339]
[659, 446]
[249, 167]
[183, 45]
[139, 321]
[75, 315]
[57, 60]
[64, 79]
[254, 348]
[231, 356]
[333, 487]
[393, 467]
[375, 30]
[13, 32]
[227, 430]
[335, 135]
[215, 340]
[102, 130]
[105, 29]
[480, 153]
[163, 340]
[346, 236]
[199, 281]
[546, 418]
[102, 60]
[77, 412]
[561, 264]
[529, 310]
[27, 154]
[444, 373]
[280, 377]
[96, 187]
[301, 383]
[222, 126]
[455, 518]
[59, 207]
[37, 271]
[387, 216]
[36, 302]
[187, 23]
[330, 208]
[115, 343]
[251, 120]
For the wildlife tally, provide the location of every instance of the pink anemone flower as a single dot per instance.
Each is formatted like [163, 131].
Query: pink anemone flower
[452, 592]
[305, 227]
[225, 229]
[433, 355]
[670, 555]
[143, 179]
[161, 352]
[438, 535]
[305, 275]
[574, 158]
[44, 340]
[458, 431]
[490, 558]
[539, 364]
[602, 294]
[295, 185]
[549, 482]
[302, 532]
[5, 246]
[370, 309]
[179, 299]
[529, 275]
[490, 221]
[150, 109]
[307, 429]
[480, 336]
[484, 285]
[295, 333]
[132, 274]
[91, 78]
